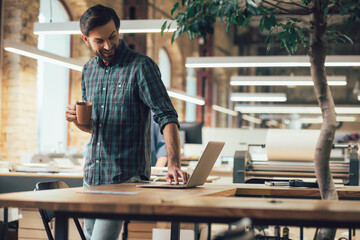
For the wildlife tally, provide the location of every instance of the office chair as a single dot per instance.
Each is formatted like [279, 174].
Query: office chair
[240, 233]
[47, 215]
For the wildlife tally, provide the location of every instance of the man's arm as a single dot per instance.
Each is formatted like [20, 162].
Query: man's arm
[70, 115]
[172, 142]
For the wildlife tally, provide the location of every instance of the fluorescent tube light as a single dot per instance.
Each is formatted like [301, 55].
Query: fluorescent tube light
[224, 110]
[33, 52]
[289, 109]
[185, 97]
[126, 26]
[320, 120]
[258, 97]
[268, 61]
[251, 119]
[283, 81]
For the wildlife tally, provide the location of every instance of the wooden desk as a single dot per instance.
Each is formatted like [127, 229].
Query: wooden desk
[209, 203]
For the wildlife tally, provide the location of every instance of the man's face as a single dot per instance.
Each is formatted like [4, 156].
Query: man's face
[103, 41]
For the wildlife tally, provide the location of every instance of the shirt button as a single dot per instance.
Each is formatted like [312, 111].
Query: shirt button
[106, 70]
[98, 144]
[119, 85]
[100, 125]
[102, 106]
[104, 89]
[97, 161]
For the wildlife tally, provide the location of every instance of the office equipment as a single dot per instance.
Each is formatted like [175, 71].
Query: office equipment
[201, 171]
[253, 164]
[289, 154]
[193, 131]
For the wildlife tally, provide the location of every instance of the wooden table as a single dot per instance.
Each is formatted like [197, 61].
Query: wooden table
[210, 203]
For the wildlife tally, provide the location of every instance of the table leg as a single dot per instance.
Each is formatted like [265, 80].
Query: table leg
[196, 231]
[301, 233]
[6, 223]
[175, 231]
[209, 231]
[61, 227]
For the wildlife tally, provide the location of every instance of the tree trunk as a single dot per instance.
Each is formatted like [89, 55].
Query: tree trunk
[318, 49]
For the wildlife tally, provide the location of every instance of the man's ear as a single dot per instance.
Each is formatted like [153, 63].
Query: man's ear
[86, 39]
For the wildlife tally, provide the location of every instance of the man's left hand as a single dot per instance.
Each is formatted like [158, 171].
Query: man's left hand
[174, 174]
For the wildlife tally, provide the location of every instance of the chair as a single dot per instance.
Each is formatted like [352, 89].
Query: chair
[47, 215]
[239, 233]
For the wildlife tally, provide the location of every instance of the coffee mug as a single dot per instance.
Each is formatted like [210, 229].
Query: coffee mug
[83, 112]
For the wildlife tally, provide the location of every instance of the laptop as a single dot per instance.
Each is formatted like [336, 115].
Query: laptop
[201, 171]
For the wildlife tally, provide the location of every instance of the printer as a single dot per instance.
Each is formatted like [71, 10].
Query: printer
[289, 154]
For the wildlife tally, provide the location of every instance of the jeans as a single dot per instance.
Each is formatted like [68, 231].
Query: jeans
[104, 229]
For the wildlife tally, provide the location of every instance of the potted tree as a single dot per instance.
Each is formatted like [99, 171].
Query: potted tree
[307, 23]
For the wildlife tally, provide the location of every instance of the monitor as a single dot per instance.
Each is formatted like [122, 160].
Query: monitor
[193, 131]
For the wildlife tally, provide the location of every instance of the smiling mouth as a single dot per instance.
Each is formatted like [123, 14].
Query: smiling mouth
[108, 52]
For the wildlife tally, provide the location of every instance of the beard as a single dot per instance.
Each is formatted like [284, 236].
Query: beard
[102, 53]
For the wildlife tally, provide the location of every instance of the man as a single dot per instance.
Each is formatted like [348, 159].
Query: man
[158, 147]
[123, 86]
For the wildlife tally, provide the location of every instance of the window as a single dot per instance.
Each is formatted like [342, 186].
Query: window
[53, 83]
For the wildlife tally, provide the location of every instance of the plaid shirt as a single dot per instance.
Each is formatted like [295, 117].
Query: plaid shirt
[122, 94]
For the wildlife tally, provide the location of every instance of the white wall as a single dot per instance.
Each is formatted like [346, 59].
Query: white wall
[235, 139]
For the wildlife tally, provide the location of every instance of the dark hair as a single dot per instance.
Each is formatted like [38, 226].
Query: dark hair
[96, 16]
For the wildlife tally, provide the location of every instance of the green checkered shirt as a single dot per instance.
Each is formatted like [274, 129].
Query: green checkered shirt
[122, 94]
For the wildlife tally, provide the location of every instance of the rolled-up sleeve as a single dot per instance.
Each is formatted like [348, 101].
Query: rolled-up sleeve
[153, 93]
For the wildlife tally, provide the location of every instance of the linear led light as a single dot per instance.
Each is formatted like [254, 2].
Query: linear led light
[358, 97]
[251, 119]
[33, 52]
[225, 110]
[258, 97]
[185, 97]
[320, 120]
[289, 109]
[268, 61]
[283, 81]
[126, 26]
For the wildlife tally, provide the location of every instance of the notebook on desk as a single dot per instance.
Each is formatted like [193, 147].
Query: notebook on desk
[201, 171]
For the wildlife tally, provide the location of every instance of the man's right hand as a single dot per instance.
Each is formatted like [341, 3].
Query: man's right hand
[70, 113]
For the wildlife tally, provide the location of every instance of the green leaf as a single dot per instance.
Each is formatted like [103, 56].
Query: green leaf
[191, 34]
[347, 38]
[270, 21]
[262, 23]
[174, 8]
[190, 13]
[306, 2]
[357, 11]
[163, 28]
[349, 24]
[227, 26]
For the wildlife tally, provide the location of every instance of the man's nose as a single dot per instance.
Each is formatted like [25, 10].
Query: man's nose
[107, 45]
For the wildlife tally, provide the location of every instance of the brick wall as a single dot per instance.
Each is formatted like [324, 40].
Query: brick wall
[18, 91]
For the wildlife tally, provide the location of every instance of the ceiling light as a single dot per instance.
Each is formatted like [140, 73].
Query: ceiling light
[289, 109]
[126, 26]
[33, 52]
[258, 97]
[269, 61]
[251, 119]
[320, 119]
[186, 97]
[283, 81]
[224, 110]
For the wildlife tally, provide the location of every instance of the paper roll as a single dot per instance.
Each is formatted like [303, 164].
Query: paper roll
[291, 145]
